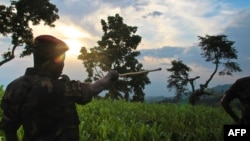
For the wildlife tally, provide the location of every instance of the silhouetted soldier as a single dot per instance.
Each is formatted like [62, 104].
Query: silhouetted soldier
[43, 101]
[239, 90]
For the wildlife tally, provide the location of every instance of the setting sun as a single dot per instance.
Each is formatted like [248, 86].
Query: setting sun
[73, 36]
[74, 46]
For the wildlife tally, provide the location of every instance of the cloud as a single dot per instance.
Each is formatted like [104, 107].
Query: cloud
[238, 31]
[164, 52]
[160, 23]
[168, 28]
[5, 2]
[153, 14]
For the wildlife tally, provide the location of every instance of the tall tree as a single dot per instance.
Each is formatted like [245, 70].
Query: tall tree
[15, 21]
[219, 51]
[178, 78]
[117, 50]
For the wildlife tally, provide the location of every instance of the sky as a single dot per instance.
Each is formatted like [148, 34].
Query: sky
[169, 30]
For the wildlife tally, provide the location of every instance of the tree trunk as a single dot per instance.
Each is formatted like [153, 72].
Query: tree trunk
[9, 58]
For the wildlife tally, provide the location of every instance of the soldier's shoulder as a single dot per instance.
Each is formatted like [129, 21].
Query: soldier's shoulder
[20, 79]
[244, 79]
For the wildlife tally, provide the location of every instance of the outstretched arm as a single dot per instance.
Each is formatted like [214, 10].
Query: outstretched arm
[83, 92]
[104, 82]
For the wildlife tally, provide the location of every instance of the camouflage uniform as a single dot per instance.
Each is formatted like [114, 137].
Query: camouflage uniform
[36, 100]
[240, 90]
[42, 102]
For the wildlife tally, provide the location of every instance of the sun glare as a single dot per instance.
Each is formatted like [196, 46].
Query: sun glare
[73, 37]
[74, 46]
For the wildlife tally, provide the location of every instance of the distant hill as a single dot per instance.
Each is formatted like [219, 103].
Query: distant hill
[221, 88]
[150, 99]
[213, 99]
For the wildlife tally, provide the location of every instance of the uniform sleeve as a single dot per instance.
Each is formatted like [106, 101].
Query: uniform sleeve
[9, 122]
[11, 104]
[80, 92]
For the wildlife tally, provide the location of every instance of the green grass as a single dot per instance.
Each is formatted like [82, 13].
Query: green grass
[112, 120]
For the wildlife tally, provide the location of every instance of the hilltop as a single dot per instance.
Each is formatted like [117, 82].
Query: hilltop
[212, 100]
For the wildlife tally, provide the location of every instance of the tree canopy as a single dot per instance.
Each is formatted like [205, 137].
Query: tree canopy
[178, 78]
[116, 50]
[16, 19]
[215, 49]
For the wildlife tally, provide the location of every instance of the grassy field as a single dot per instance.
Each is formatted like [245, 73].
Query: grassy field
[109, 120]
[120, 120]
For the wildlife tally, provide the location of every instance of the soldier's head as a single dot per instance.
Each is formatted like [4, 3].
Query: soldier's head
[49, 54]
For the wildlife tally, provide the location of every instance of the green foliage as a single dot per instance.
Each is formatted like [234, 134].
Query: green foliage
[15, 20]
[219, 50]
[215, 49]
[1, 112]
[116, 50]
[112, 120]
[1, 95]
[120, 120]
[178, 79]
[1, 91]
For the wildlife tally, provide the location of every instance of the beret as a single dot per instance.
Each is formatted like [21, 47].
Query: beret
[48, 48]
[50, 42]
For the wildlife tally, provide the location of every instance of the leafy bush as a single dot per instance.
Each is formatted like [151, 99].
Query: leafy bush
[1, 91]
[1, 112]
